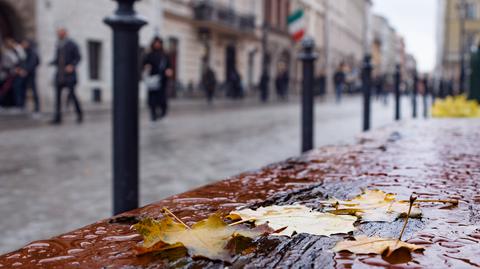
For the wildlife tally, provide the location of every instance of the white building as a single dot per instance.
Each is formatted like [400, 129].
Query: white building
[386, 44]
[224, 34]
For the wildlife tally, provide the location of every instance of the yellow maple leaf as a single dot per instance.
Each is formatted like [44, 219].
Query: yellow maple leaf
[207, 238]
[297, 218]
[392, 250]
[372, 205]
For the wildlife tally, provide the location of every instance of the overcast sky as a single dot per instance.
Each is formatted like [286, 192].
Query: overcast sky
[415, 20]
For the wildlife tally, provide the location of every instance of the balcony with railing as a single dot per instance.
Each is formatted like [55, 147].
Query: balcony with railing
[211, 14]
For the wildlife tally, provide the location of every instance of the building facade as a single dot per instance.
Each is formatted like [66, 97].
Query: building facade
[458, 31]
[341, 30]
[385, 50]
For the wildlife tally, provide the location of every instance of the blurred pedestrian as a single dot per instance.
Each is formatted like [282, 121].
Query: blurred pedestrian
[32, 61]
[235, 82]
[67, 57]
[339, 79]
[264, 86]
[380, 88]
[209, 82]
[282, 81]
[156, 65]
[5, 78]
[13, 90]
[321, 83]
[474, 92]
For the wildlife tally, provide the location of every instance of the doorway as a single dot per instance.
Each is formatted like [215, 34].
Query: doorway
[10, 25]
[230, 60]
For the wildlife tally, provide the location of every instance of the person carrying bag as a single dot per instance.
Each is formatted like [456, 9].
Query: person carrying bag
[157, 70]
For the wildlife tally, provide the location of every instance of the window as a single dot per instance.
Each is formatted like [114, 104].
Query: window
[471, 11]
[276, 13]
[173, 54]
[471, 39]
[94, 59]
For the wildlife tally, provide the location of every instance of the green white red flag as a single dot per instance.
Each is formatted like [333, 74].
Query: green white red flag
[296, 25]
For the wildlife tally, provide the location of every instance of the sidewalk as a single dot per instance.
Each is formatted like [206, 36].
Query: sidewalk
[11, 119]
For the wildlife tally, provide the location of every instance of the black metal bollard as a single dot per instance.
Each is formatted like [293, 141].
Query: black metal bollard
[367, 91]
[125, 24]
[398, 79]
[308, 57]
[426, 93]
[414, 94]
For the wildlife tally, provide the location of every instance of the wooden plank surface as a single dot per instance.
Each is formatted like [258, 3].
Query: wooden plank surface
[437, 159]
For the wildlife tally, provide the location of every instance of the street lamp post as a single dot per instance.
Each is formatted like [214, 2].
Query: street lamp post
[414, 94]
[265, 77]
[462, 9]
[125, 24]
[367, 91]
[398, 80]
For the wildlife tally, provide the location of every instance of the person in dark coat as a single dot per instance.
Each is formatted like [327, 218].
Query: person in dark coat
[15, 56]
[235, 82]
[321, 84]
[264, 86]
[281, 82]
[209, 82]
[31, 63]
[474, 92]
[157, 64]
[67, 57]
[339, 79]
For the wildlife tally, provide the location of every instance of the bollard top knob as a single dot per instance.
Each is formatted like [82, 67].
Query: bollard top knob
[125, 16]
[308, 43]
[308, 52]
[126, 1]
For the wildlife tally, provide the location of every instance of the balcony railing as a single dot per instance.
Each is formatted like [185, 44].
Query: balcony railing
[208, 11]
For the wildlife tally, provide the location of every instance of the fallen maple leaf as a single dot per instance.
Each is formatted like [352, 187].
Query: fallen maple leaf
[297, 218]
[372, 205]
[207, 238]
[392, 250]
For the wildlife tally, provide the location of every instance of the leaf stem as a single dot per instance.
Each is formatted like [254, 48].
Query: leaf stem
[241, 221]
[413, 198]
[176, 218]
[447, 201]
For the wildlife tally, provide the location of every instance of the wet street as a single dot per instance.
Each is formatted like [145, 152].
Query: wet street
[55, 179]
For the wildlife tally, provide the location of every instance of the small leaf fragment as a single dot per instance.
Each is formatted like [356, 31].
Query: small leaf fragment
[297, 218]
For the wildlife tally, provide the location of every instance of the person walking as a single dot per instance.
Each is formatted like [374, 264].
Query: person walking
[67, 57]
[209, 82]
[16, 56]
[264, 86]
[474, 91]
[236, 87]
[156, 66]
[339, 79]
[281, 82]
[12, 55]
[32, 61]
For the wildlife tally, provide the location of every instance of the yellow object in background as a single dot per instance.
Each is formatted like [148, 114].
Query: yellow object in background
[456, 107]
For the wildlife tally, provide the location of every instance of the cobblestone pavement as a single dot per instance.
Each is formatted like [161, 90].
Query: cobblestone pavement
[55, 179]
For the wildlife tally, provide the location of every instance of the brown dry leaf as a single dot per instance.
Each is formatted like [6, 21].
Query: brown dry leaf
[297, 218]
[373, 205]
[207, 238]
[392, 250]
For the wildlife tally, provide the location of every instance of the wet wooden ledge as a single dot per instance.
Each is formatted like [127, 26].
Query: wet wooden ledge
[437, 159]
